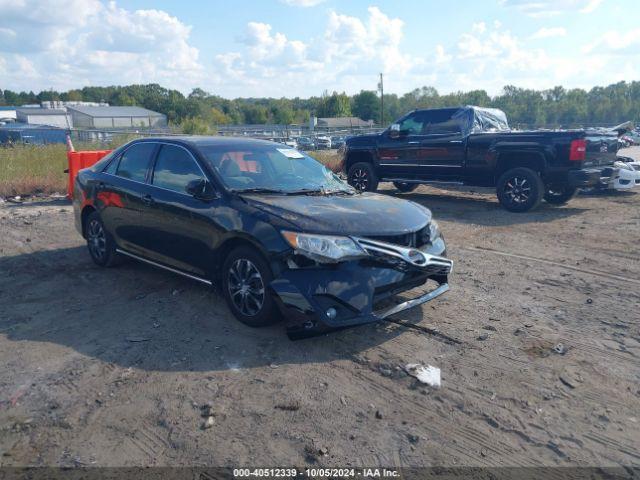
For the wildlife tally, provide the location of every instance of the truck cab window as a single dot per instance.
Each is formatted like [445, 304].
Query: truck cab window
[412, 125]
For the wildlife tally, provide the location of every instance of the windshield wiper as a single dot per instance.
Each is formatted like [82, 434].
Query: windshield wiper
[320, 191]
[258, 190]
[304, 191]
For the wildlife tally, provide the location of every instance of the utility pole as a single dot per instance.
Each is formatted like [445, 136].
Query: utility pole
[381, 88]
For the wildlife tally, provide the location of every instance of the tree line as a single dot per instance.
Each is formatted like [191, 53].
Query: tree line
[201, 111]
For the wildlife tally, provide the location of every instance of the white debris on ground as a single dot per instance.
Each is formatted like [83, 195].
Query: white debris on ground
[428, 375]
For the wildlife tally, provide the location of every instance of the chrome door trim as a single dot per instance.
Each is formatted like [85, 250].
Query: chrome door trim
[416, 165]
[159, 265]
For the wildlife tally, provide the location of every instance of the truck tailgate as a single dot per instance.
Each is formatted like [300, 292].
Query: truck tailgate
[602, 149]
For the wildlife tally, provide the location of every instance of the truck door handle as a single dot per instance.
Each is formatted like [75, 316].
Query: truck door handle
[413, 143]
[455, 141]
[147, 200]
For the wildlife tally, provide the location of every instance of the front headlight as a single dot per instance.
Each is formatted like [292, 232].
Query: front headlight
[434, 230]
[324, 248]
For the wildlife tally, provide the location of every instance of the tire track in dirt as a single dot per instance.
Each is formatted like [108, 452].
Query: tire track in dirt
[555, 264]
[463, 439]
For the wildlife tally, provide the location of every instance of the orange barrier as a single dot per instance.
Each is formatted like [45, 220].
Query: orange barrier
[80, 160]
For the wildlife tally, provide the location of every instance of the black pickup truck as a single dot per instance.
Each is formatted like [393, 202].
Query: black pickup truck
[475, 146]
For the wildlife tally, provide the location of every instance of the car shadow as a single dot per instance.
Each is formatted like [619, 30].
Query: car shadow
[137, 316]
[610, 192]
[480, 208]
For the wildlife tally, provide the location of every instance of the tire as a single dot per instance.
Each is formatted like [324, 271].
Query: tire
[362, 177]
[101, 245]
[405, 187]
[520, 189]
[559, 195]
[245, 280]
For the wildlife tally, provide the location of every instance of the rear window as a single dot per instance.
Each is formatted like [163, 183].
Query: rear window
[100, 165]
[134, 162]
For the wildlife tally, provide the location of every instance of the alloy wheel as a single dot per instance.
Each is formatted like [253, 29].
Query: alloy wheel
[360, 179]
[97, 240]
[246, 287]
[517, 190]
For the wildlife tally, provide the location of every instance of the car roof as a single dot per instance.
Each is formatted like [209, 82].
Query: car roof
[202, 140]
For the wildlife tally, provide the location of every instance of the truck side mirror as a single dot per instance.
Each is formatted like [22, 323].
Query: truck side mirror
[394, 131]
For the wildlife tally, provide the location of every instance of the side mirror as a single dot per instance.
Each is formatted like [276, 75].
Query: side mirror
[394, 131]
[200, 189]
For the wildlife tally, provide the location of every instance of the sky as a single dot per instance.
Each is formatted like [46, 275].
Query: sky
[300, 48]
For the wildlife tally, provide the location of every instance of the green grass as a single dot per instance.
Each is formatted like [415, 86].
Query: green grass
[329, 158]
[30, 169]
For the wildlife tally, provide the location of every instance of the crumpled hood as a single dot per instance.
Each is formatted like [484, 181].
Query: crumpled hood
[362, 214]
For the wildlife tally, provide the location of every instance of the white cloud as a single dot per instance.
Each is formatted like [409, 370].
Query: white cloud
[498, 51]
[616, 42]
[550, 8]
[441, 57]
[107, 44]
[303, 3]
[493, 57]
[70, 43]
[590, 6]
[353, 50]
[349, 49]
[362, 45]
[551, 32]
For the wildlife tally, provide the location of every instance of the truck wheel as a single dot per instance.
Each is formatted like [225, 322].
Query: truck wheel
[559, 195]
[405, 187]
[363, 177]
[245, 285]
[520, 189]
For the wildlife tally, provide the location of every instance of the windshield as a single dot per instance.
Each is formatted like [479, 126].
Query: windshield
[271, 168]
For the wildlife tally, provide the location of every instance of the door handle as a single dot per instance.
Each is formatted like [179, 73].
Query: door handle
[147, 200]
[413, 143]
[455, 141]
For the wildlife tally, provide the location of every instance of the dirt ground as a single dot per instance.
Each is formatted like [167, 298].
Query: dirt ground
[110, 367]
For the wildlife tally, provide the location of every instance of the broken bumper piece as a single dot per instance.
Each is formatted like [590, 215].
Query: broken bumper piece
[427, 297]
[322, 298]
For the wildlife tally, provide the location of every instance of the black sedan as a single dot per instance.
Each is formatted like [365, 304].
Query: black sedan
[278, 233]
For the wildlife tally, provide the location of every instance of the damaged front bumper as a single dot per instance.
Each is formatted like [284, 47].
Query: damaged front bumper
[324, 297]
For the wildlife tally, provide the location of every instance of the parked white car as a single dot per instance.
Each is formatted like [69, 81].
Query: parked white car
[323, 143]
[628, 175]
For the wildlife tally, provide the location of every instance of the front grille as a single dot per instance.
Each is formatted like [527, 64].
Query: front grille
[410, 256]
[406, 240]
[413, 239]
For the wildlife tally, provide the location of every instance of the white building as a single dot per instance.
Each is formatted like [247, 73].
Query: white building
[44, 116]
[7, 114]
[116, 117]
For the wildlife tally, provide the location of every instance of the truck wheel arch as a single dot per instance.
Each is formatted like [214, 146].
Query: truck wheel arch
[357, 157]
[507, 160]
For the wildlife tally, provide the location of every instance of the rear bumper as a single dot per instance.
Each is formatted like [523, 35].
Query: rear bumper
[592, 177]
[355, 292]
